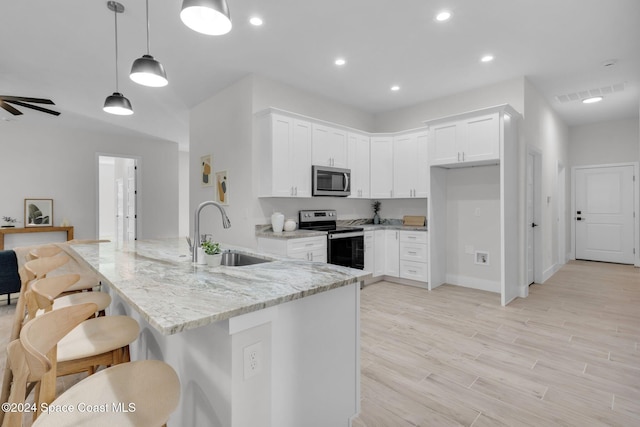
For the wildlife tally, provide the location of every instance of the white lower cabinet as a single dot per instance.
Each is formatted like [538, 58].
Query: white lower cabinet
[369, 254]
[414, 256]
[378, 253]
[391, 258]
[306, 248]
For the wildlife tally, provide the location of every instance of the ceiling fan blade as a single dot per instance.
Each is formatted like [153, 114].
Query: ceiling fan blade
[27, 99]
[34, 107]
[9, 108]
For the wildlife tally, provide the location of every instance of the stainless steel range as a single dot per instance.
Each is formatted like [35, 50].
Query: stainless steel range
[345, 245]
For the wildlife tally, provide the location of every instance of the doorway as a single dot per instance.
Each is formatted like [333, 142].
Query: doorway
[603, 210]
[117, 198]
[533, 216]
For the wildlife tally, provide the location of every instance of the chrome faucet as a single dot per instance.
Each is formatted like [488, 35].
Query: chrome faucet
[196, 226]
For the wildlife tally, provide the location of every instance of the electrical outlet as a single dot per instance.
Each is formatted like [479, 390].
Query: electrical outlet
[252, 360]
[482, 258]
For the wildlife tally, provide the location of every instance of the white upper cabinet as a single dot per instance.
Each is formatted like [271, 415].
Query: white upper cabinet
[410, 167]
[286, 156]
[470, 140]
[358, 161]
[329, 146]
[381, 167]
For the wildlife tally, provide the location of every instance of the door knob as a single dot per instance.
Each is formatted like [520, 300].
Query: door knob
[533, 224]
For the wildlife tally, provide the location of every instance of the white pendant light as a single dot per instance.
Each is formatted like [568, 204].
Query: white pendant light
[209, 17]
[146, 70]
[117, 103]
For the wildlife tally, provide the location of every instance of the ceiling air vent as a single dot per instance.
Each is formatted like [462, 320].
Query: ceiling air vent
[602, 91]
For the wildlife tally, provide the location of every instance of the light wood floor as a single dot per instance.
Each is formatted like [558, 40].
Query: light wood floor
[566, 355]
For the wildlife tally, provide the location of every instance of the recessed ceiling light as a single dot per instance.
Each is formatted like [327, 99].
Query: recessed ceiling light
[256, 20]
[443, 16]
[395, 88]
[340, 61]
[592, 100]
[487, 58]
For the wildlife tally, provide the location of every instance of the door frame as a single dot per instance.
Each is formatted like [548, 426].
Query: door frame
[139, 213]
[636, 206]
[561, 215]
[538, 276]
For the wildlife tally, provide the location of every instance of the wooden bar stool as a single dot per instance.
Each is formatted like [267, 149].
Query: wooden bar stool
[44, 251]
[35, 267]
[151, 385]
[44, 294]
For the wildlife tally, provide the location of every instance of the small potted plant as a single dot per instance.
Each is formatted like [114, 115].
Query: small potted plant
[9, 222]
[212, 251]
[376, 208]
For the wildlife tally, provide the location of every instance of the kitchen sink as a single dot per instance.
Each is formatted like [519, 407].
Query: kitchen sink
[237, 259]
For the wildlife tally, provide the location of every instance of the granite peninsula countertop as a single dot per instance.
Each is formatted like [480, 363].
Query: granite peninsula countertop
[158, 280]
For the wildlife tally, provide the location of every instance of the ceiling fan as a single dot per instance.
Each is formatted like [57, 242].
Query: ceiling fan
[23, 101]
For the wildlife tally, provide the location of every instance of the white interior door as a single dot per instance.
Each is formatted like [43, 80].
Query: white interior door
[530, 218]
[131, 201]
[604, 201]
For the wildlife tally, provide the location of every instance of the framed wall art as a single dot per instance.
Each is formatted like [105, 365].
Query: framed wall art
[206, 178]
[38, 212]
[222, 184]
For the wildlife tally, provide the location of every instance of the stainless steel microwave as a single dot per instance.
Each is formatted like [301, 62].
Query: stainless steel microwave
[328, 181]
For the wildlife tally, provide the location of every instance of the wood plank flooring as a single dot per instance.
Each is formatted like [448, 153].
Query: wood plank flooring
[566, 355]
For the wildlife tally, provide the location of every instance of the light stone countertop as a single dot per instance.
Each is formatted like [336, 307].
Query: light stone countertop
[267, 231]
[158, 280]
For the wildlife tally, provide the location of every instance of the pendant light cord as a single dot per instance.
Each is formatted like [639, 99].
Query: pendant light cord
[115, 15]
[148, 49]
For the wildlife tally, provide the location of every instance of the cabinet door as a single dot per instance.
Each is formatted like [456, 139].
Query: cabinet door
[443, 144]
[320, 146]
[300, 155]
[421, 184]
[482, 138]
[405, 165]
[281, 137]
[369, 256]
[381, 167]
[329, 146]
[392, 253]
[379, 244]
[358, 161]
[338, 148]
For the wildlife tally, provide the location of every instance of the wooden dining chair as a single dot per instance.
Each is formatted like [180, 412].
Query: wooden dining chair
[151, 386]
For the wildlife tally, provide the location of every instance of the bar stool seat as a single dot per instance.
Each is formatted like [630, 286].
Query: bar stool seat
[97, 336]
[151, 386]
[45, 294]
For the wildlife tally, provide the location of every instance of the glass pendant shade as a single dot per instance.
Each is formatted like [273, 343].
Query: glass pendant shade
[117, 104]
[148, 72]
[209, 17]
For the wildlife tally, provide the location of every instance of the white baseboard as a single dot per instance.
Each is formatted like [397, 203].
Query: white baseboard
[475, 283]
[550, 272]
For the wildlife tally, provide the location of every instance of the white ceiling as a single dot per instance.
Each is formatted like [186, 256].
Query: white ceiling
[64, 50]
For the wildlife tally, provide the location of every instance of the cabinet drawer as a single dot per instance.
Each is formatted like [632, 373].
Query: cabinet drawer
[306, 244]
[413, 252]
[413, 236]
[414, 270]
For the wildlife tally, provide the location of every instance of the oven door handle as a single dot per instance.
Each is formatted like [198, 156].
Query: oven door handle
[346, 181]
[346, 235]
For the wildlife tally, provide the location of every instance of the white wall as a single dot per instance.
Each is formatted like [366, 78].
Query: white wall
[473, 222]
[183, 194]
[222, 126]
[603, 143]
[546, 132]
[508, 92]
[60, 163]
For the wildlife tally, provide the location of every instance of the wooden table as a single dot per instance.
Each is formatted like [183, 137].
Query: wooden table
[15, 230]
